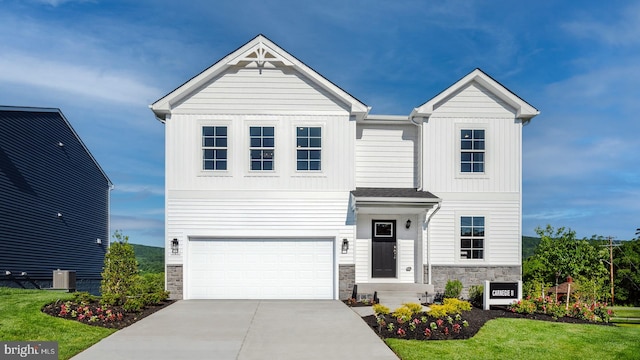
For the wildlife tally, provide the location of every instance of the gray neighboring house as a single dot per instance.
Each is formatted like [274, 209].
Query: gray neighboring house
[54, 201]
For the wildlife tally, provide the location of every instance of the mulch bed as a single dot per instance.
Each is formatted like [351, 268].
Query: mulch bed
[445, 330]
[91, 313]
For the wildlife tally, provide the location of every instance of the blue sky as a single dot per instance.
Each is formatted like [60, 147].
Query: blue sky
[103, 62]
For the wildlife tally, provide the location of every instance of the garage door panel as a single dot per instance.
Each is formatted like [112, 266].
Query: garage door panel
[261, 269]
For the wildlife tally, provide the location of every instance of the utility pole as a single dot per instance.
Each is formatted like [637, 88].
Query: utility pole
[611, 266]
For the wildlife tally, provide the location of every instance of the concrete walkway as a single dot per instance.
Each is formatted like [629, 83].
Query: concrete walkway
[245, 329]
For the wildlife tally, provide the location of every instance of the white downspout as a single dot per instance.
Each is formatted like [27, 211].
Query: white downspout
[429, 240]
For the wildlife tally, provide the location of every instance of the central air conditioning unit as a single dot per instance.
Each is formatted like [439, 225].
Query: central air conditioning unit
[64, 279]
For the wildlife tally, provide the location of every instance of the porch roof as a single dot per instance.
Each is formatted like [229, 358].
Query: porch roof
[410, 197]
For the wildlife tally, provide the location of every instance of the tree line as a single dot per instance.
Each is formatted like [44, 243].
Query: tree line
[560, 254]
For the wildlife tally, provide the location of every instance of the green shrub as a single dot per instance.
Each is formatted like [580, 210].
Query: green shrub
[83, 297]
[402, 313]
[524, 306]
[439, 311]
[475, 295]
[458, 305]
[119, 272]
[133, 304]
[380, 309]
[453, 289]
[449, 307]
[414, 307]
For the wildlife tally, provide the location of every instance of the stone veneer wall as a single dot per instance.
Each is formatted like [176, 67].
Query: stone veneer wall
[174, 281]
[470, 275]
[347, 279]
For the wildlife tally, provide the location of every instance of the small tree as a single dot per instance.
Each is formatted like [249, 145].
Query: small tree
[119, 272]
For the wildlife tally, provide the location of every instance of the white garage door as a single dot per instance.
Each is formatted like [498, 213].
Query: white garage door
[260, 269]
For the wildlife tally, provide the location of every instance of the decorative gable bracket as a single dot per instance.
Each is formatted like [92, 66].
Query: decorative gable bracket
[260, 54]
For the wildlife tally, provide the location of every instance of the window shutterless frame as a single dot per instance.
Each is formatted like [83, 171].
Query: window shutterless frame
[214, 143]
[308, 148]
[262, 148]
[472, 237]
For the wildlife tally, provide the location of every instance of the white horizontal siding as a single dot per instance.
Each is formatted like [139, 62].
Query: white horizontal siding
[502, 231]
[247, 214]
[474, 100]
[253, 90]
[386, 156]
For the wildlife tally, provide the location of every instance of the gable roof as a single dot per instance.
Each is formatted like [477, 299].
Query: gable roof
[32, 114]
[258, 51]
[523, 109]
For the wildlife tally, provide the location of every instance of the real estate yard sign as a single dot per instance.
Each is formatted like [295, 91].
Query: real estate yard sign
[501, 293]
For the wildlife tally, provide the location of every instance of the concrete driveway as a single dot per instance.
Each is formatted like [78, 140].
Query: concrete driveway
[245, 329]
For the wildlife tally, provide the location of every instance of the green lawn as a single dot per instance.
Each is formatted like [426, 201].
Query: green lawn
[626, 316]
[529, 339]
[22, 320]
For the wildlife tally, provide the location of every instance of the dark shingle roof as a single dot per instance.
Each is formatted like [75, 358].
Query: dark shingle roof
[393, 193]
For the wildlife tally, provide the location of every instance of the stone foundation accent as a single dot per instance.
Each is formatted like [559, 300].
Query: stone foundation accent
[347, 278]
[470, 275]
[174, 281]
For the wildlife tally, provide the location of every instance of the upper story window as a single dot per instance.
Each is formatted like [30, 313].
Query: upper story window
[309, 148]
[472, 151]
[261, 147]
[472, 237]
[214, 148]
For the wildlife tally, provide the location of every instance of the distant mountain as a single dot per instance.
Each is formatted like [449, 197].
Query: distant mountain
[529, 245]
[150, 258]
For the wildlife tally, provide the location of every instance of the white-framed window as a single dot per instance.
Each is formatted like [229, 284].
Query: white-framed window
[472, 151]
[261, 148]
[214, 148]
[472, 237]
[308, 148]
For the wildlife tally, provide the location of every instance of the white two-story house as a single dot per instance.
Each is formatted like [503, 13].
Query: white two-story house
[281, 185]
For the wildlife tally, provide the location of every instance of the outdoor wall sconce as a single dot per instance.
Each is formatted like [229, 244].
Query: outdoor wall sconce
[345, 246]
[98, 241]
[408, 224]
[175, 246]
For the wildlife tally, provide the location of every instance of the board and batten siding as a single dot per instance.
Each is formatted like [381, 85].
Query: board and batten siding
[184, 153]
[257, 214]
[502, 230]
[242, 90]
[386, 156]
[472, 107]
[40, 179]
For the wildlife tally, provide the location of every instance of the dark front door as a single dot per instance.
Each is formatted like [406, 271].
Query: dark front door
[383, 248]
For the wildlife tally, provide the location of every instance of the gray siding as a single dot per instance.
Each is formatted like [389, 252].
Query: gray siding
[38, 180]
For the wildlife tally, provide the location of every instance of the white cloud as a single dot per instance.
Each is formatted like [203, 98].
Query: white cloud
[623, 30]
[82, 80]
[56, 3]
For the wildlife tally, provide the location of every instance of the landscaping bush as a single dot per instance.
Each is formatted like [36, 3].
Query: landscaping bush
[475, 295]
[453, 289]
[119, 272]
[590, 311]
[380, 309]
[449, 307]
